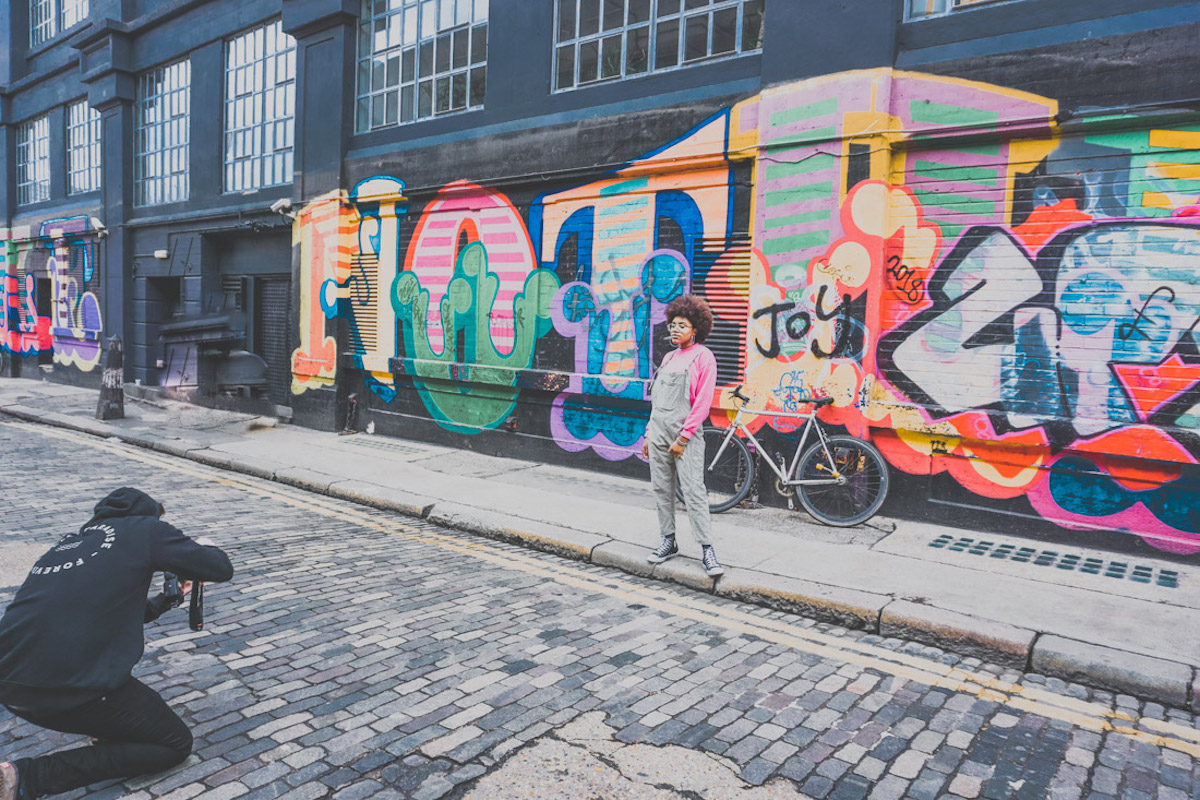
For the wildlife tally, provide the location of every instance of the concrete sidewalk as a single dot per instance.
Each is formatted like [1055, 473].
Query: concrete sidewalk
[1124, 623]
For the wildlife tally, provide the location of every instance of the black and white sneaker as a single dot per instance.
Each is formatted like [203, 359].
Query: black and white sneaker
[712, 567]
[666, 549]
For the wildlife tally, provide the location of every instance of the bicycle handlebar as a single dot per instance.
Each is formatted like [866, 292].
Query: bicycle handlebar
[817, 402]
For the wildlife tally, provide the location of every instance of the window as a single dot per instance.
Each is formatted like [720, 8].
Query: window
[602, 40]
[918, 9]
[48, 17]
[419, 59]
[73, 11]
[161, 117]
[83, 148]
[33, 161]
[260, 108]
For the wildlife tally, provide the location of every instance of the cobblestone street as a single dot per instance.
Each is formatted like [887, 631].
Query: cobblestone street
[361, 654]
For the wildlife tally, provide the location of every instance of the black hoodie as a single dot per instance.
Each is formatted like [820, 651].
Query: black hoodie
[74, 630]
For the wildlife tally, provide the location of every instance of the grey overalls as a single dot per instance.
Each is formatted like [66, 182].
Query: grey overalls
[669, 408]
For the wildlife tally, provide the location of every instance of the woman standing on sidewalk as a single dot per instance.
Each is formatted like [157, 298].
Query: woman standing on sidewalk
[680, 400]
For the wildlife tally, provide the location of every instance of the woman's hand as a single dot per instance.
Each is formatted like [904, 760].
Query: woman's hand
[676, 448]
[646, 448]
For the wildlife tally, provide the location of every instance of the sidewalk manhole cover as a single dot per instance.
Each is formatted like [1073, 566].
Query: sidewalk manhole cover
[1070, 562]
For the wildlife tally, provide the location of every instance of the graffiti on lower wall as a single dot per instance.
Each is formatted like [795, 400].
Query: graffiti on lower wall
[984, 293]
[48, 280]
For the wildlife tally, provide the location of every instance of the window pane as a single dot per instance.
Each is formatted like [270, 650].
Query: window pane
[461, 51]
[408, 65]
[442, 96]
[442, 62]
[589, 17]
[478, 86]
[637, 51]
[479, 44]
[696, 44]
[426, 64]
[614, 14]
[610, 57]
[694, 4]
[724, 33]
[639, 11]
[564, 70]
[566, 20]
[589, 61]
[667, 7]
[407, 95]
[458, 91]
[752, 31]
[666, 48]
[425, 99]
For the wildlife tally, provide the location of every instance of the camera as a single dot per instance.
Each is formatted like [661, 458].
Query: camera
[173, 591]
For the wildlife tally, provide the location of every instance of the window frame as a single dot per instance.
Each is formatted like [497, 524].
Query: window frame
[251, 132]
[90, 149]
[33, 160]
[163, 187]
[654, 23]
[398, 78]
[952, 7]
[57, 16]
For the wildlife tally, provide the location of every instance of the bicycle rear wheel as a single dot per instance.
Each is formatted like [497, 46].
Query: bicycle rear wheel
[728, 478]
[859, 496]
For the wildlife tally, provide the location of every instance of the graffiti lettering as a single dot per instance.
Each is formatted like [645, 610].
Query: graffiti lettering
[793, 322]
[844, 325]
[910, 287]
[1127, 330]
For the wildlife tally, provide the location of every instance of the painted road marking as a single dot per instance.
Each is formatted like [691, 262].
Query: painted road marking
[1080, 713]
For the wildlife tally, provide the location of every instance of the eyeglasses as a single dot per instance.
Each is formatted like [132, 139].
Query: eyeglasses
[679, 325]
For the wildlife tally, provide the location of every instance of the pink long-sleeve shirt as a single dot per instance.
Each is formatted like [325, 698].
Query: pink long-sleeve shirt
[702, 382]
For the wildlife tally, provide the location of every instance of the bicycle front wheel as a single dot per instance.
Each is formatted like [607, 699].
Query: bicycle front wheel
[728, 477]
[860, 493]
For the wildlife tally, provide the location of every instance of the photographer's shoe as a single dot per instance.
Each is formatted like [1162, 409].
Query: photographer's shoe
[8, 781]
[666, 549]
[712, 567]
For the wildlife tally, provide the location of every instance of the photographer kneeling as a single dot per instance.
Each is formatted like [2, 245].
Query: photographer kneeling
[72, 636]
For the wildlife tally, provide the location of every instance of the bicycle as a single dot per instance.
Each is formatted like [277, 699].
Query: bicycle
[840, 480]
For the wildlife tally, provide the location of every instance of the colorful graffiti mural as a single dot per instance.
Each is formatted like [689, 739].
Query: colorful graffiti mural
[47, 296]
[985, 293]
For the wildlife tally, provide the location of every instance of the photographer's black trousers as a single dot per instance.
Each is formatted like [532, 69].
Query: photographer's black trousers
[138, 734]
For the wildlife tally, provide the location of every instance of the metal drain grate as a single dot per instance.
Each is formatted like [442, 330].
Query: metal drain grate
[1070, 562]
[376, 443]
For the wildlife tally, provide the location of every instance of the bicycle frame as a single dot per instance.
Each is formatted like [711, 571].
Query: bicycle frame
[784, 479]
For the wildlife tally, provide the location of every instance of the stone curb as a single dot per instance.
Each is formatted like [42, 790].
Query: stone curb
[849, 608]
[1150, 678]
[985, 639]
[1155, 678]
[573, 544]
